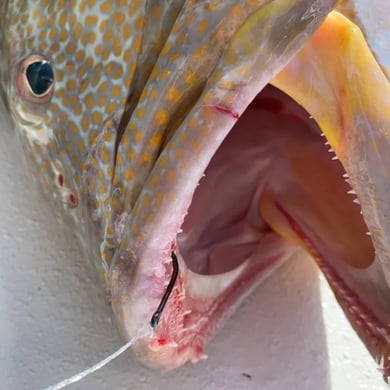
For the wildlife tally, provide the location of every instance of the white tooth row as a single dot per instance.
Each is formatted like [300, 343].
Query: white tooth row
[330, 150]
[365, 318]
[346, 179]
[347, 295]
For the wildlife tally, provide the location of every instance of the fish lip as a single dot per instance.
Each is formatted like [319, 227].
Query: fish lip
[162, 350]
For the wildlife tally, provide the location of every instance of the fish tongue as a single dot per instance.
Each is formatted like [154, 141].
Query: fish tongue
[205, 287]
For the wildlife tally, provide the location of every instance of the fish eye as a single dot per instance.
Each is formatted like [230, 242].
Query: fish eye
[40, 77]
[35, 79]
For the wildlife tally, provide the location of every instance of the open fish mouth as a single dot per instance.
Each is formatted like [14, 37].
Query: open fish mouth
[250, 131]
[235, 189]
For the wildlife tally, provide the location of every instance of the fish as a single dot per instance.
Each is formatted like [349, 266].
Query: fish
[227, 135]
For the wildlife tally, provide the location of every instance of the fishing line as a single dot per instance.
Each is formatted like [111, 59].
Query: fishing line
[146, 331]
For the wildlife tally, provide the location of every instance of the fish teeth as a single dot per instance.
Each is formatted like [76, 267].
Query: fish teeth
[181, 298]
[191, 328]
[195, 326]
[356, 200]
[330, 150]
[167, 260]
[202, 320]
[368, 234]
[172, 344]
[185, 330]
[345, 176]
[335, 158]
[187, 312]
[352, 192]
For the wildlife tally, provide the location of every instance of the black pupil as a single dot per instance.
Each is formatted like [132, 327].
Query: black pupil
[40, 76]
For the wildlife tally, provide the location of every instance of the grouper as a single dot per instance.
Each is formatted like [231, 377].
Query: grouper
[195, 145]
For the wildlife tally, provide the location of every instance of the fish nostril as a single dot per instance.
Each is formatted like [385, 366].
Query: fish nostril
[60, 179]
[72, 199]
[69, 197]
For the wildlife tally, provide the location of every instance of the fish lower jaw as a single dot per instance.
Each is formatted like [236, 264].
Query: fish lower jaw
[197, 307]
[365, 314]
[374, 333]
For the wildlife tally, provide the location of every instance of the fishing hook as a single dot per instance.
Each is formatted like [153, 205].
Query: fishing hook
[157, 314]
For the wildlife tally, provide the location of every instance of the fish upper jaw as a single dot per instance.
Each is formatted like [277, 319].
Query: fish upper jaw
[339, 95]
[358, 127]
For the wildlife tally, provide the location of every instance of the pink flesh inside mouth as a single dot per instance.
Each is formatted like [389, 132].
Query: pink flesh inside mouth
[271, 188]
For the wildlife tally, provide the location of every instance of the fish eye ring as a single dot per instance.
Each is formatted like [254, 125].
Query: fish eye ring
[35, 79]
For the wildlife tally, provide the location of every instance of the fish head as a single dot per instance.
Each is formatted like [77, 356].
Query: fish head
[196, 127]
[54, 56]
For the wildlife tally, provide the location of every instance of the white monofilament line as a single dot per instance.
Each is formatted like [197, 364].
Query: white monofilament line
[144, 332]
